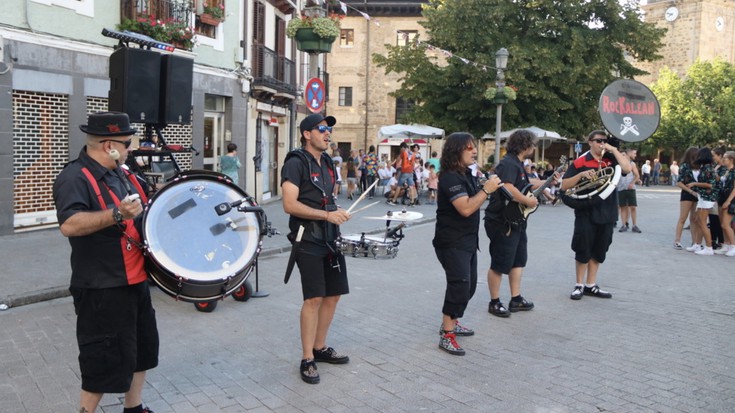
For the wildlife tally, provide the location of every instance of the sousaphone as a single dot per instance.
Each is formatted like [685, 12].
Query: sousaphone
[630, 112]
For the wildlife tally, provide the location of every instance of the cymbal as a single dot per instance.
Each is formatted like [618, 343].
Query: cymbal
[399, 216]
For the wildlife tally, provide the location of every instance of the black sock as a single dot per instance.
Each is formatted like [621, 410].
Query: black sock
[517, 298]
[136, 409]
[495, 300]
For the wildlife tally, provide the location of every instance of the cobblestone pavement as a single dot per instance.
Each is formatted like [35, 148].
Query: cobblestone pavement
[663, 343]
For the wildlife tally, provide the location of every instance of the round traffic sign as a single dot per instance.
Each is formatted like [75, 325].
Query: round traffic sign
[315, 95]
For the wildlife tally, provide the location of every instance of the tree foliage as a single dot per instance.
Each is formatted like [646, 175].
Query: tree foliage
[562, 55]
[696, 109]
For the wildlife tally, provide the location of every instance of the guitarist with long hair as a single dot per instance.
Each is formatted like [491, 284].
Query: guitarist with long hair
[508, 240]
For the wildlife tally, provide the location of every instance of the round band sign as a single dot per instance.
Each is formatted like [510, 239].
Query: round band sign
[629, 110]
[314, 95]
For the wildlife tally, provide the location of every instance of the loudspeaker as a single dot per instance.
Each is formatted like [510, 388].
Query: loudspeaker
[135, 84]
[177, 75]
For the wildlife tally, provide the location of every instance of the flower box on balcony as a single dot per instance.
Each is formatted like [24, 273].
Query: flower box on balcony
[310, 42]
[207, 18]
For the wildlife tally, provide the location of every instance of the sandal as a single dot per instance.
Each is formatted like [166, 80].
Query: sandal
[309, 372]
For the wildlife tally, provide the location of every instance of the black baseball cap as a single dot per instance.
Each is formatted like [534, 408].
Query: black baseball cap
[314, 119]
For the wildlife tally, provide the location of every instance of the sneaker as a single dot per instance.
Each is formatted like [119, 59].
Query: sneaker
[731, 253]
[596, 291]
[694, 247]
[448, 343]
[623, 228]
[678, 246]
[577, 293]
[498, 309]
[309, 372]
[522, 305]
[723, 249]
[705, 251]
[329, 355]
[389, 202]
[460, 330]
[147, 410]
[636, 229]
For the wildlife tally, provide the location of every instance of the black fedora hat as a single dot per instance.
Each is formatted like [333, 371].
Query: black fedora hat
[108, 124]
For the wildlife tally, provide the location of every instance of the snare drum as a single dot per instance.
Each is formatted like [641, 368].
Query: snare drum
[368, 246]
[193, 253]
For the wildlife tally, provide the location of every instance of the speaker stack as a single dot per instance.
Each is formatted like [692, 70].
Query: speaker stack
[151, 88]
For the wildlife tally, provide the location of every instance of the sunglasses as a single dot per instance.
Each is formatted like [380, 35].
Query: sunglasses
[126, 143]
[323, 128]
[599, 140]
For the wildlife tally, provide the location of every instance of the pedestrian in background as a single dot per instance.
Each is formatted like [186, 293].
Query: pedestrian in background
[727, 194]
[688, 173]
[656, 171]
[706, 189]
[646, 173]
[674, 172]
[229, 163]
[626, 194]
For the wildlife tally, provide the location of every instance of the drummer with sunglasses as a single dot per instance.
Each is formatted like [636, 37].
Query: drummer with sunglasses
[593, 222]
[308, 180]
[98, 206]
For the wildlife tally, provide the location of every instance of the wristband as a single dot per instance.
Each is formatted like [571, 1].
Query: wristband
[486, 192]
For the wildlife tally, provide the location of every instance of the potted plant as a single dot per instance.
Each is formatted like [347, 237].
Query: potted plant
[508, 93]
[212, 15]
[314, 31]
[170, 31]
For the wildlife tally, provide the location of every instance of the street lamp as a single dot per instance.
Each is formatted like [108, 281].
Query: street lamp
[501, 61]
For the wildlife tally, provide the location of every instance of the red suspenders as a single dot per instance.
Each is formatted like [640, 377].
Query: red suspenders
[134, 264]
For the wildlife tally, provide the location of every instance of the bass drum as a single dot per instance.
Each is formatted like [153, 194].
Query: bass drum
[194, 254]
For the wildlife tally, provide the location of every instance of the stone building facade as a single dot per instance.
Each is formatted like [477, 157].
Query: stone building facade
[697, 29]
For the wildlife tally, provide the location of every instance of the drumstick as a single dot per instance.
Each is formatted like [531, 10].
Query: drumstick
[364, 193]
[365, 207]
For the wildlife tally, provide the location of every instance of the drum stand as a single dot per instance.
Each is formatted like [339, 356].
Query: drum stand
[257, 293]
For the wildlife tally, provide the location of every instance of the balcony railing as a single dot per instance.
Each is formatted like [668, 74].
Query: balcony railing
[180, 10]
[274, 71]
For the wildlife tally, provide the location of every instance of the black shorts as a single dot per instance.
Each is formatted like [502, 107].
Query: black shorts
[590, 240]
[626, 197]
[686, 196]
[117, 336]
[321, 276]
[507, 251]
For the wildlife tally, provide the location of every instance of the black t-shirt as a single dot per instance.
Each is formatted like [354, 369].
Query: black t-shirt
[316, 185]
[452, 229]
[96, 259]
[510, 170]
[603, 211]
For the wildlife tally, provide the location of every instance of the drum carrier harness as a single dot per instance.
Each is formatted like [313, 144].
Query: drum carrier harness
[317, 231]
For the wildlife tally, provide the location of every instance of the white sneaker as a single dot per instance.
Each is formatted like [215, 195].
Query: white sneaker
[694, 247]
[730, 253]
[724, 249]
[705, 251]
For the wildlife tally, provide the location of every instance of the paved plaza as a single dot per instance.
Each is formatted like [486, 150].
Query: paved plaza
[663, 343]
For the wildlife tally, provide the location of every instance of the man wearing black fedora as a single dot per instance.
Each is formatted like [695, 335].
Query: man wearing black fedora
[99, 205]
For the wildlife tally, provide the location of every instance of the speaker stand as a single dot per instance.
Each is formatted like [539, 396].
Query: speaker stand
[257, 293]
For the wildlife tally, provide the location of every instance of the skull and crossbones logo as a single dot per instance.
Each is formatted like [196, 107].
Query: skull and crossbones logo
[628, 126]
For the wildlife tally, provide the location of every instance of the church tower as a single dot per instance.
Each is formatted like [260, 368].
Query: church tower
[697, 29]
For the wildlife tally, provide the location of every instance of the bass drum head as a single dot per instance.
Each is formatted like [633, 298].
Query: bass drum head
[187, 239]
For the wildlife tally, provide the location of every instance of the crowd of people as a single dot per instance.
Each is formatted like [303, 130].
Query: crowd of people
[99, 207]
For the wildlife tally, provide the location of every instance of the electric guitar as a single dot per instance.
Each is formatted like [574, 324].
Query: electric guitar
[515, 212]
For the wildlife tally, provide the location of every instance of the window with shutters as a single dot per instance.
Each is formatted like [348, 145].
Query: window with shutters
[346, 37]
[345, 96]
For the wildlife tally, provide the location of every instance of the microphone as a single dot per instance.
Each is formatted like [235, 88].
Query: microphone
[226, 207]
[392, 233]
